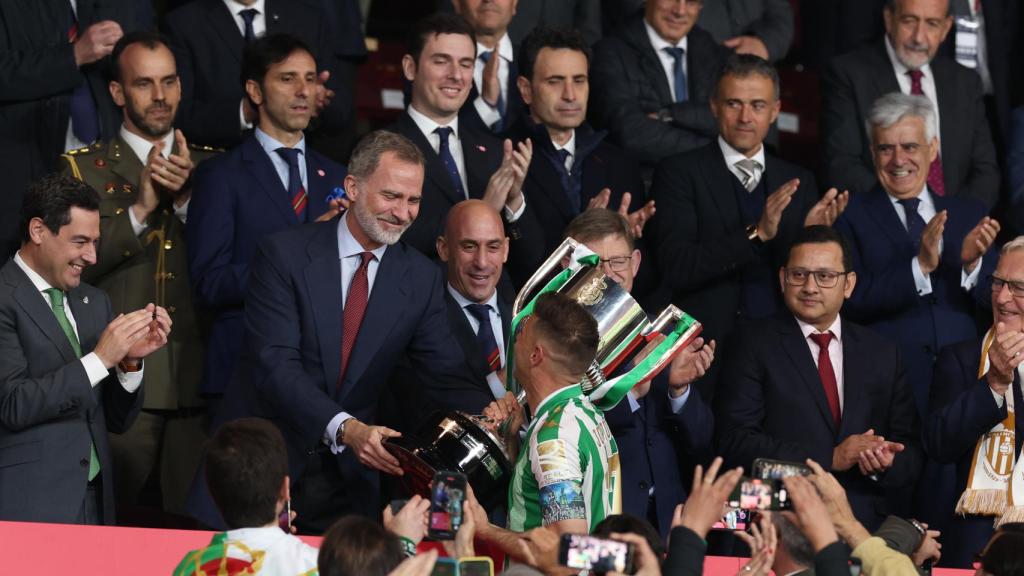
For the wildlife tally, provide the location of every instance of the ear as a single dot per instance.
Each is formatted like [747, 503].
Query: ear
[933, 150]
[116, 93]
[409, 65]
[888, 18]
[351, 187]
[254, 92]
[525, 89]
[775, 111]
[504, 251]
[635, 262]
[442, 248]
[537, 356]
[782, 278]
[946, 27]
[851, 281]
[37, 230]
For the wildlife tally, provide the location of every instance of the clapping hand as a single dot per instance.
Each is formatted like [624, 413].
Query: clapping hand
[637, 219]
[707, 498]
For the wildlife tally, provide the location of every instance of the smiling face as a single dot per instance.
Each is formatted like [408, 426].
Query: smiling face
[745, 107]
[618, 262]
[811, 303]
[285, 97]
[1006, 307]
[60, 258]
[385, 203]
[558, 92]
[916, 28]
[443, 76]
[149, 90]
[487, 17]
[672, 19]
[475, 248]
[902, 156]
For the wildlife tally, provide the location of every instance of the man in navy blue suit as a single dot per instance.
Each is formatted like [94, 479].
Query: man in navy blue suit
[663, 428]
[809, 383]
[968, 405]
[270, 182]
[323, 338]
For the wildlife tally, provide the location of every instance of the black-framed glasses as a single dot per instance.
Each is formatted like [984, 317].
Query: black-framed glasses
[617, 263]
[1016, 287]
[823, 278]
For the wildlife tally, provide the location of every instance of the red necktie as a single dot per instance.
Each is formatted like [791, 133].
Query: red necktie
[935, 181]
[355, 309]
[828, 376]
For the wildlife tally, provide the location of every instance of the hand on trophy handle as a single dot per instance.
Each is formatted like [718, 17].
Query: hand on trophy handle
[504, 413]
[366, 441]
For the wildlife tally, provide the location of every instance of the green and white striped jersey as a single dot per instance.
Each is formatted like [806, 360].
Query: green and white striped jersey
[568, 468]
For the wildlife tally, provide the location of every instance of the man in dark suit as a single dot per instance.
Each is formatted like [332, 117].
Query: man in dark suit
[652, 82]
[59, 392]
[53, 90]
[904, 61]
[809, 384]
[209, 39]
[463, 161]
[270, 182]
[318, 374]
[728, 211]
[663, 427]
[968, 409]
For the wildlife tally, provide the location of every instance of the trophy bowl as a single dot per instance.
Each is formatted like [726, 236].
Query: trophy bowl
[451, 440]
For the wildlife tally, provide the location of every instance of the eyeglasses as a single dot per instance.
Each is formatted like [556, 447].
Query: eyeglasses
[1016, 287]
[823, 278]
[617, 263]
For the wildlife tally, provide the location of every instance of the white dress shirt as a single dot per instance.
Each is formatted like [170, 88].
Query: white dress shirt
[927, 85]
[835, 350]
[349, 252]
[493, 382]
[926, 209]
[259, 29]
[271, 145]
[667, 61]
[570, 147]
[94, 368]
[490, 114]
[732, 156]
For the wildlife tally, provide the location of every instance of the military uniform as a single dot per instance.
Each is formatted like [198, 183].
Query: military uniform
[135, 270]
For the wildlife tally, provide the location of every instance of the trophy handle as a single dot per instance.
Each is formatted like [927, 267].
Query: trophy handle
[653, 335]
[552, 264]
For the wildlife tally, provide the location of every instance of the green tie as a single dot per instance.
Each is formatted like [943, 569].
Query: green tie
[57, 303]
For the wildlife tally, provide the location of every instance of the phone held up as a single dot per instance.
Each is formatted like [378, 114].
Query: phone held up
[585, 552]
[447, 499]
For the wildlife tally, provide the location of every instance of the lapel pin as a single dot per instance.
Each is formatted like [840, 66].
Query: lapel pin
[320, 172]
[274, 17]
[85, 300]
[481, 148]
[100, 162]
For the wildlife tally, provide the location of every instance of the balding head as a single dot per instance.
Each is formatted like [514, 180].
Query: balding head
[475, 248]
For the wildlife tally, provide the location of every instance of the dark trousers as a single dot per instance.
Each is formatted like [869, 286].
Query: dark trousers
[320, 496]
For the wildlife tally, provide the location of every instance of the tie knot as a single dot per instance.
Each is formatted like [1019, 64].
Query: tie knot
[56, 297]
[485, 56]
[366, 257]
[915, 75]
[822, 340]
[675, 52]
[748, 165]
[910, 204]
[444, 132]
[482, 312]
[563, 154]
[290, 155]
[248, 14]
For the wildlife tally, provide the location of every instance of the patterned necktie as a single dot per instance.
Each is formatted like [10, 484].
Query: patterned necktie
[678, 74]
[354, 311]
[485, 336]
[85, 120]
[247, 15]
[296, 191]
[445, 152]
[485, 57]
[915, 223]
[568, 183]
[749, 167]
[935, 176]
[57, 305]
[828, 375]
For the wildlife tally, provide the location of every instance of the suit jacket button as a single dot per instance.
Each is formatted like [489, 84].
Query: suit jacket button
[127, 253]
[169, 275]
[119, 211]
[644, 485]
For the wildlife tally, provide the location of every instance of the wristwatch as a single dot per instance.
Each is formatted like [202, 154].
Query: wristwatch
[917, 526]
[752, 234]
[340, 440]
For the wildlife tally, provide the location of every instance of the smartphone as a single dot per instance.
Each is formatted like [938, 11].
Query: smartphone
[397, 505]
[284, 521]
[476, 566]
[758, 494]
[445, 567]
[447, 496]
[734, 519]
[768, 469]
[585, 552]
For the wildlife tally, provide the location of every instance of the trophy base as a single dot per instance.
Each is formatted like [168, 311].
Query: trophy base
[454, 441]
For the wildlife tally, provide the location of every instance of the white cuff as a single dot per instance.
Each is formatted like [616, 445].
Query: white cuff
[634, 404]
[969, 281]
[677, 404]
[182, 211]
[497, 388]
[1000, 399]
[242, 124]
[137, 227]
[489, 114]
[921, 281]
[94, 368]
[331, 434]
[130, 381]
[511, 216]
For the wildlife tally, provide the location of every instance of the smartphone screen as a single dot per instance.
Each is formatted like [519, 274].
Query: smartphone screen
[476, 567]
[445, 567]
[583, 552]
[767, 469]
[284, 521]
[757, 494]
[735, 519]
[447, 495]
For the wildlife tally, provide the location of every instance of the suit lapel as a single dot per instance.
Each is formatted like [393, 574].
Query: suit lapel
[855, 406]
[885, 82]
[475, 158]
[87, 320]
[794, 344]
[318, 178]
[263, 171]
[386, 305]
[435, 169]
[650, 63]
[123, 162]
[464, 335]
[882, 211]
[948, 108]
[544, 171]
[718, 180]
[323, 277]
[37, 307]
[224, 27]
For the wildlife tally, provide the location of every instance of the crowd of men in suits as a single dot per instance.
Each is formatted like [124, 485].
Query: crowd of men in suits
[204, 256]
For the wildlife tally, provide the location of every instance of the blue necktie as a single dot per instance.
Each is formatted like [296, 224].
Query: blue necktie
[915, 223]
[448, 160]
[485, 336]
[85, 122]
[296, 191]
[679, 76]
[247, 15]
[485, 57]
[569, 184]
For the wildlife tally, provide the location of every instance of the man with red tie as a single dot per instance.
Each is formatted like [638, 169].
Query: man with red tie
[330, 310]
[810, 384]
